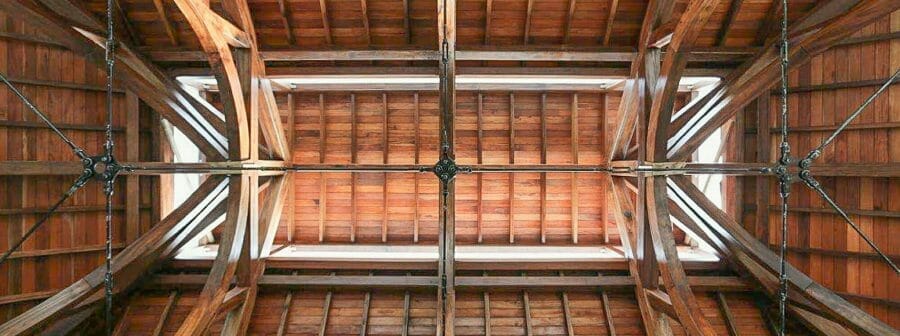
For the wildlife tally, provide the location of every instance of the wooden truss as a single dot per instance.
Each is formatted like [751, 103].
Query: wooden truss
[644, 162]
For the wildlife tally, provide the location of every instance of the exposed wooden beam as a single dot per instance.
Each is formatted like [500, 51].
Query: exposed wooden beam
[164, 17]
[569, 17]
[625, 222]
[528, 10]
[326, 26]
[726, 314]
[574, 177]
[730, 18]
[488, 14]
[326, 309]
[218, 283]
[270, 122]
[407, 29]
[285, 12]
[164, 316]
[365, 18]
[406, 302]
[610, 20]
[512, 161]
[607, 314]
[132, 153]
[285, 311]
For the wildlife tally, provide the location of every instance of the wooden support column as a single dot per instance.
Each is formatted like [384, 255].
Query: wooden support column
[574, 177]
[384, 156]
[416, 161]
[512, 161]
[543, 162]
[446, 293]
[132, 153]
[353, 175]
[480, 153]
[323, 177]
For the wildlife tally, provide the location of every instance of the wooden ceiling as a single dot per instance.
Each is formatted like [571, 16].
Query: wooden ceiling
[510, 128]
[353, 24]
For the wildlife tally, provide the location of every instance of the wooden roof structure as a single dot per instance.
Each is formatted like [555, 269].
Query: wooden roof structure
[468, 187]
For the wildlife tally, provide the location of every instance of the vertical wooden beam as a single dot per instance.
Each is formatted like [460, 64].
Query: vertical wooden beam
[446, 295]
[488, 12]
[543, 174]
[122, 325]
[670, 267]
[627, 224]
[480, 182]
[529, 327]
[574, 177]
[730, 18]
[364, 326]
[416, 176]
[326, 27]
[132, 153]
[353, 176]
[406, 27]
[326, 308]
[726, 314]
[405, 330]
[384, 156]
[569, 18]
[286, 21]
[567, 315]
[164, 317]
[164, 17]
[610, 19]
[530, 8]
[285, 312]
[323, 177]
[512, 161]
[226, 262]
[763, 154]
[607, 314]
[365, 15]
[487, 313]
[291, 197]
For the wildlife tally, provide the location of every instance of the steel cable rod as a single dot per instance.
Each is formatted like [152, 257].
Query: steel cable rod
[111, 170]
[815, 153]
[80, 153]
[784, 178]
[815, 185]
[80, 182]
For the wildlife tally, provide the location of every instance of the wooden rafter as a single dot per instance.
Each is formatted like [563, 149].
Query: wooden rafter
[446, 292]
[730, 18]
[285, 12]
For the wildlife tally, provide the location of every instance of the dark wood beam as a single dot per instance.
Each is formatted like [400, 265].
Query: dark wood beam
[569, 17]
[326, 26]
[610, 20]
[286, 18]
[730, 18]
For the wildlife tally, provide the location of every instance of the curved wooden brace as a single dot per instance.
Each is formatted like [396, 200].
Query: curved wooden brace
[699, 120]
[654, 323]
[234, 72]
[675, 280]
[222, 273]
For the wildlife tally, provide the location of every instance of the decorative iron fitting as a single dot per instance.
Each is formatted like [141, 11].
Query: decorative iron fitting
[446, 169]
[102, 167]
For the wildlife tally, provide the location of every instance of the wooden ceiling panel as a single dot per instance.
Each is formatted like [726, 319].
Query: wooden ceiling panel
[388, 24]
